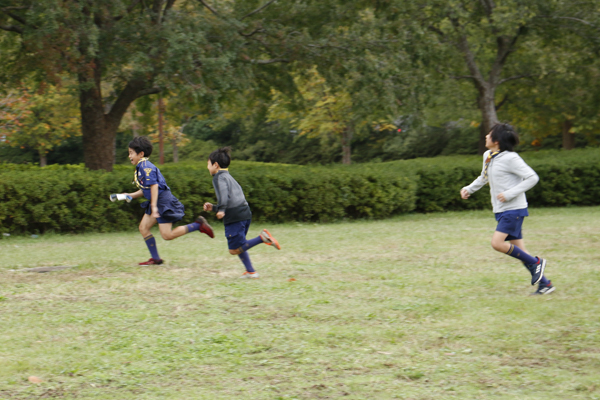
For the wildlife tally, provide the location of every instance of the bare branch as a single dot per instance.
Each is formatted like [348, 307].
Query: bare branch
[504, 100]
[258, 9]
[133, 89]
[129, 10]
[463, 46]
[169, 5]
[209, 7]
[272, 61]
[569, 18]
[257, 30]
[148, 91]
[506, 46]
[14, 8]
[512, 78]
[462, 77]
[11, 28]
[489, 6]
[15, 17]
[436, 30]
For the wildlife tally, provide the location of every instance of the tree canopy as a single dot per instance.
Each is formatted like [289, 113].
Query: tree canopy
[389, 79]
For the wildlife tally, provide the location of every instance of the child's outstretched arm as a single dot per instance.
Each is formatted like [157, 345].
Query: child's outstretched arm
[125, 196]
[135, 195]
[477, 184]
[210, 207]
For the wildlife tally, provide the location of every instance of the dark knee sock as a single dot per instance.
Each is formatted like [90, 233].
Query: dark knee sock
[245, 257]
[194, 226]
[519, 254]
[151, 243]
[544, 281]
[251, 243]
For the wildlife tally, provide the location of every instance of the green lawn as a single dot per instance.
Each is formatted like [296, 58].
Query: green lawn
[416, 307]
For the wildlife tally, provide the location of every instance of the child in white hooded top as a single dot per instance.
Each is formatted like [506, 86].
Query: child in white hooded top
[509, 178]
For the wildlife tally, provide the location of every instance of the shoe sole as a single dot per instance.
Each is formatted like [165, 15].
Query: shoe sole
[541, 273]
[552, 289]
[275, 242]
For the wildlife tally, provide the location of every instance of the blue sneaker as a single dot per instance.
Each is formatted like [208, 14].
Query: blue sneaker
[544, 289]
[537, 270]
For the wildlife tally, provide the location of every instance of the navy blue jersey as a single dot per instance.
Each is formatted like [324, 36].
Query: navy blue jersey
[147, 174]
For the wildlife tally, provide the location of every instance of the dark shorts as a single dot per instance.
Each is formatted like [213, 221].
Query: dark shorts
[236, 233]
[169, 207]
[511, 223]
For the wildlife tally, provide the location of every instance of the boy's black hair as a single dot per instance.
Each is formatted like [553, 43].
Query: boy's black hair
[505, 135]
[141, 143]
[221, 156]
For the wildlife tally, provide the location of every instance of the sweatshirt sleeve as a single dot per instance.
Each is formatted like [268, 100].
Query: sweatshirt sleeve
[525, 172]
[481, 179]
[222, 192]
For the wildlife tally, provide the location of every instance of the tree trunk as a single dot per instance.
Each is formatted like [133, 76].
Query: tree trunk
[175, 151]
[98, 136]
[568, 138]
[98, 128]
[346, 145]
[161, 147]
[482, 134]
[43, 159]
[489, 117]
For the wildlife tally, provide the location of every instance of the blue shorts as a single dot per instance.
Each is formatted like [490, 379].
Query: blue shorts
[236, 233]
[169, 207]
[511, 223]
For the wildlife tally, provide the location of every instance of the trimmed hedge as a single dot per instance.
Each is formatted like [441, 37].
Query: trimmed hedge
[73, 199]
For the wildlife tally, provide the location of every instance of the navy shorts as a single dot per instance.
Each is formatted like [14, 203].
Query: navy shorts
[169, 207]
[511, 223]
[236, 233]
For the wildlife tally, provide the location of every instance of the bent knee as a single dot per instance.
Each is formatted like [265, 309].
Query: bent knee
[498, 246]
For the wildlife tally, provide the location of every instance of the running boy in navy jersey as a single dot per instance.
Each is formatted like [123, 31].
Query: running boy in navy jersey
[233, 208]
[509, 178]
[162, 206]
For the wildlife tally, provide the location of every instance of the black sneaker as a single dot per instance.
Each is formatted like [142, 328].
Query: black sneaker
[537, 270]
[544, 289]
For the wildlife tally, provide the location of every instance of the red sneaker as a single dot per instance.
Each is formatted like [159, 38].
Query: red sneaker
[152, 261]
[205, 227]
[269, 240]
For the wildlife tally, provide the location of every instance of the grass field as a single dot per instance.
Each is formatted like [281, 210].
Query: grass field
[417, 307]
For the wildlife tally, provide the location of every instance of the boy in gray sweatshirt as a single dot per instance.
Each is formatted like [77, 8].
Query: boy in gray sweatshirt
[509, 178]
[233, 208]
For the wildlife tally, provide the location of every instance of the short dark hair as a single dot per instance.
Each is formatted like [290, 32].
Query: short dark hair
[221, 156]
[505, 135]
[141, 143]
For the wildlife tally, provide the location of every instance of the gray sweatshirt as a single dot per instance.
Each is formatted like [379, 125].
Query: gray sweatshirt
[508, 174]
[230, 198]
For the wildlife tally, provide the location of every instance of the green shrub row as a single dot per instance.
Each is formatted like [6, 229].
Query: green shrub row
[73, 199]
[77, 200]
